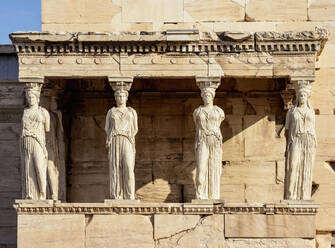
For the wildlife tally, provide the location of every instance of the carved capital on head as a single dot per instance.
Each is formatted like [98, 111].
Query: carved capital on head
[302, 84]
[38, 79]
[33, 87]
[120, 83]
[208, 82]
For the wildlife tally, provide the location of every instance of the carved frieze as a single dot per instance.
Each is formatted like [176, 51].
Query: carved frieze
[166, 208]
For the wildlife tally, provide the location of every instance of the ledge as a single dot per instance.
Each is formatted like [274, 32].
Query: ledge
[45, 208]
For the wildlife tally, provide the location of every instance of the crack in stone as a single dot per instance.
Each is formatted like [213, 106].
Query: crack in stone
[88, 219]
[188, 230]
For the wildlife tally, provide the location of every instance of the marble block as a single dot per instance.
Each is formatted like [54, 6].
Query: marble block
[269, 226]
[119, 231]
[52, 231]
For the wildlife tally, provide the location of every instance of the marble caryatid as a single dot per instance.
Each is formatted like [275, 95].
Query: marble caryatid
[121, 128]
[208, 141]
[300, 145]
[55, 145]
[35, 122]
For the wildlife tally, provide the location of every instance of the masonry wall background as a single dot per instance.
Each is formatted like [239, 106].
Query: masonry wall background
[255, 171]
[11, 106]
[165, 167]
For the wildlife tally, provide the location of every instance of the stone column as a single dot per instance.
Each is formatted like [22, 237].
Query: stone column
[121, 128]
[300, 144]
[34, 155]
[208, 141]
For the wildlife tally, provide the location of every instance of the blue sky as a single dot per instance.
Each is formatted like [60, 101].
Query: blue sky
[19, 15]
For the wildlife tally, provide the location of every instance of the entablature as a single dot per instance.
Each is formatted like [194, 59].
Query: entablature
[174, 53]
[169, 41]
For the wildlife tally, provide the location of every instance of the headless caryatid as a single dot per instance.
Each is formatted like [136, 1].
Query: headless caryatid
[121, 128]
[56, 150]
[35, 122]
[301, 144]
[208, 141]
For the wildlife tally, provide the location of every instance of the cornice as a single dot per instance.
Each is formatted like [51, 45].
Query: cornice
[171, 41]
[318, 34]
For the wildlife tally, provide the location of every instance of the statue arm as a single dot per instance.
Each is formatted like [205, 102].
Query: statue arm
[107, 125]
[135, 124]
[46, 120]
[287, 130]
[313, 124]
[195, 114]
[222, 115]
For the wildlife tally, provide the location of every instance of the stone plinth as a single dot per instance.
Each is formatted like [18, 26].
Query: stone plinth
[165, 224]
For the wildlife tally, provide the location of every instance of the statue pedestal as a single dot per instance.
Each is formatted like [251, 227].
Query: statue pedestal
[148, 225]
[117, 201]
[301, 202]
[207, 201]
[28, 201]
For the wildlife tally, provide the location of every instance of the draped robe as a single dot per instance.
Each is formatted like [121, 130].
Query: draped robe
[208, 150]
[121, 128]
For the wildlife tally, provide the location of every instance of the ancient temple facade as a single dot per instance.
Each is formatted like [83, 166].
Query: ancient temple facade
[254, 53]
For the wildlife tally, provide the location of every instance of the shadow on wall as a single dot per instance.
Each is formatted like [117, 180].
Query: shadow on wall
[9, 66]
[165, 167]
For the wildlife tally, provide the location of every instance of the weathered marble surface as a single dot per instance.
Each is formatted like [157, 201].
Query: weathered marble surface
[34, 155]
[208, 231]
[164, 225]
[234, 54]
[208, 141]
[269, 226]
[121, 127]
[118, 231]
[271, 243]
[52, 231]
[56, 147]
[301, 143]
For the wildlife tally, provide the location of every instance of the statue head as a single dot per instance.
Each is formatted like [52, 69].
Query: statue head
[121, 89]
[207, 95]
[121, 97]
[33, 92]
[53, 104]
[303, 91]
[208, 85]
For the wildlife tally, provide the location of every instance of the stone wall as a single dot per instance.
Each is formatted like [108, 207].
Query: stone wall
[253, 147]
[165, 225]
[217, 15]
[11, 105]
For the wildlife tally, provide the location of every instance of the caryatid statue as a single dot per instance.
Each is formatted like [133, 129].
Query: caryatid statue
[208, 141]
[121, 128]
[300, 145]
[34, 155]
[55, 145]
